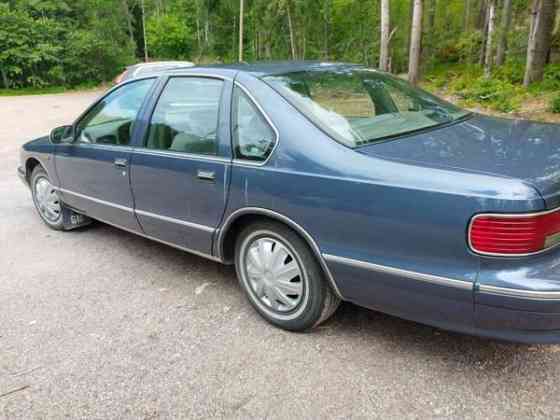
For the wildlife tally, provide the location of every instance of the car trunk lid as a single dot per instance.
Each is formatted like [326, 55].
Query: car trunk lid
[519, 149]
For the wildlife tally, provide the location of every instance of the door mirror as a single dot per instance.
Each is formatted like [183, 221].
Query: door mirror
[62, 134]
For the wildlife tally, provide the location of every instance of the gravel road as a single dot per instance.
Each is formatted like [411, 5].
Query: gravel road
[99, 323]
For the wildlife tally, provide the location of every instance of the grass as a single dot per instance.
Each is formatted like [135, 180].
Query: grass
[48, 90]
[502, 94]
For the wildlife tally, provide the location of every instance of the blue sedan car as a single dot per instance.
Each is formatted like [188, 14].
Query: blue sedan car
[323, 182]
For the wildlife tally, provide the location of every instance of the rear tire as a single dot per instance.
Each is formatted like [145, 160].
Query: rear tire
[282, 278]
[46, 200]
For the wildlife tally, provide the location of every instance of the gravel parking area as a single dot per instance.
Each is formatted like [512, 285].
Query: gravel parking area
[99, 323]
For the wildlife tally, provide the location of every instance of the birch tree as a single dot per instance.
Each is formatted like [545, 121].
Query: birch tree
[415, 43]
[504, 32]
[488, 58]
[543, 13]
[385, 34]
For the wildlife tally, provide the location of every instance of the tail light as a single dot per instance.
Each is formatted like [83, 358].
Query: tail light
[514, 234]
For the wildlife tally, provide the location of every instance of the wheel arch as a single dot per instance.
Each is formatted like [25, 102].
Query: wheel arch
[234, 223]
[30, 164]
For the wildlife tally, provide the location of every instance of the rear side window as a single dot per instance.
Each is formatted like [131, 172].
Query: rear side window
[186, 116]
[254, 138]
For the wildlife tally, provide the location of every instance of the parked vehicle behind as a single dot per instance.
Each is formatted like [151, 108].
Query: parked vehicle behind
[323, 182]
[145, 69]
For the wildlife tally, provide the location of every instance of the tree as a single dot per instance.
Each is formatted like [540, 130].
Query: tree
[384, 58]
[415, 43]
[241, 21]
[504, 32]
[488, 58]
[543, 13]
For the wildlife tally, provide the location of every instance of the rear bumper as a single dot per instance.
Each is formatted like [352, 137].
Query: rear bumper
[512, 300]
[520, 298]
[22, 175]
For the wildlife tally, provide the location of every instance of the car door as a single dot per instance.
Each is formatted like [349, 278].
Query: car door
[93, 169]
[180, 172]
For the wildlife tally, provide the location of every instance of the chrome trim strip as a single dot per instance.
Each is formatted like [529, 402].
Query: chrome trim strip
[270, 123]
[179, 73]
[508, 216]
[190, 251]
[95, 200]
[221, 233]
[180, 155]
[517, 293]
[175, 221]
[428, 278]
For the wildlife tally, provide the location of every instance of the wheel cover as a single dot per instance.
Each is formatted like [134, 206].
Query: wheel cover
[274, 275]
[47, 200]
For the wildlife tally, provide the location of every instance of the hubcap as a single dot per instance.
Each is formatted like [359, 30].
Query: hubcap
[274, 274]
[47, 200]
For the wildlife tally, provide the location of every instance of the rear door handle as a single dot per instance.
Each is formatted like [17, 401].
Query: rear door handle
[206, 175]
[121, 163]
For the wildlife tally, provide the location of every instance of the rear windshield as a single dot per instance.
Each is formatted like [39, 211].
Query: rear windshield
[358, 106]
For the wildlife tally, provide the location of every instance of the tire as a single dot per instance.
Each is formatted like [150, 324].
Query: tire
[281, 277]
[46, 200]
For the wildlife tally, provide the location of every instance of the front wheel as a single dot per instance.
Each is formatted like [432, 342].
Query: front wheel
[282, 278]
[46, 200]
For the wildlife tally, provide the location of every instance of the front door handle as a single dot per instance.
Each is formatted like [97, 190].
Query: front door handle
[206, 175]
[121, 163]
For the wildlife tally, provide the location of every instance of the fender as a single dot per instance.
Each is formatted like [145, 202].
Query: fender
[223, 230]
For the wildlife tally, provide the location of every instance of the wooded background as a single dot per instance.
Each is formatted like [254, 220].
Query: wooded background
[493, 46]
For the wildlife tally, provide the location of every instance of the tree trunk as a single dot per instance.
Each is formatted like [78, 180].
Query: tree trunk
[5, 80]
[326, 30]
[484, 32]
[241, 22]
[430, 32]
[467, 16]
[489, 56]
[540, 37]
[385, 33]
[504, 32]
[292, 35]
[410, 17]
[146, 56]
[129, 25]
[415, 43]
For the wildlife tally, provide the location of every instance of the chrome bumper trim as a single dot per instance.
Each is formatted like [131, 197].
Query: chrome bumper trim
[519, 293]
[427, 278]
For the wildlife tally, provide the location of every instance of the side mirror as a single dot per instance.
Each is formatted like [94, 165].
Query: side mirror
[62, 134]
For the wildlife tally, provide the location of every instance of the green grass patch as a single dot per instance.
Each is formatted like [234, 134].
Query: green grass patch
[47, 90]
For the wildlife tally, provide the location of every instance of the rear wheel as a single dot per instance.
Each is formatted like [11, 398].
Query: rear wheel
[282, 278]
[46, 200]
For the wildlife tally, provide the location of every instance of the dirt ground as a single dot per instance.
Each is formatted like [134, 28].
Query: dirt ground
[99, 323]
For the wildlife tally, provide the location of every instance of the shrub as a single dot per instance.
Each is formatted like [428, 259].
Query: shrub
[555, 105]
[169, 37]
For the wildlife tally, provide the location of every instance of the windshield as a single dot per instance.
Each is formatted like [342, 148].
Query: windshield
[358, 106]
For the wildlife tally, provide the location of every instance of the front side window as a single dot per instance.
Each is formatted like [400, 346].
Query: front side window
[186, 116]
[357, 106]
[111, 120]
[253, 137]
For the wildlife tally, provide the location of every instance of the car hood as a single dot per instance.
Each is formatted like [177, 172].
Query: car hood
[519, 149]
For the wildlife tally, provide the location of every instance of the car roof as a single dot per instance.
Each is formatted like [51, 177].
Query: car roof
[261, 69]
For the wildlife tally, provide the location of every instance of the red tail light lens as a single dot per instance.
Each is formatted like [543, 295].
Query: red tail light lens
[511, 235]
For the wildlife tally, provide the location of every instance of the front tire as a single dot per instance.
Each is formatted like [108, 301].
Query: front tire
[282, 278]
[46, 200]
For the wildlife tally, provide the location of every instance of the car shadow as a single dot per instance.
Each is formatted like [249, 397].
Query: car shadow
[351, 322]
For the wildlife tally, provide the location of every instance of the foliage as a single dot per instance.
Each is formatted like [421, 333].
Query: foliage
[169, 37]
[48, 42]
[555, 106]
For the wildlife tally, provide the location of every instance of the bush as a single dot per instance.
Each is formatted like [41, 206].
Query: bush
[555, 105]
[169, 37]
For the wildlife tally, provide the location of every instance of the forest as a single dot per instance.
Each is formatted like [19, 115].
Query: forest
[499, 54]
